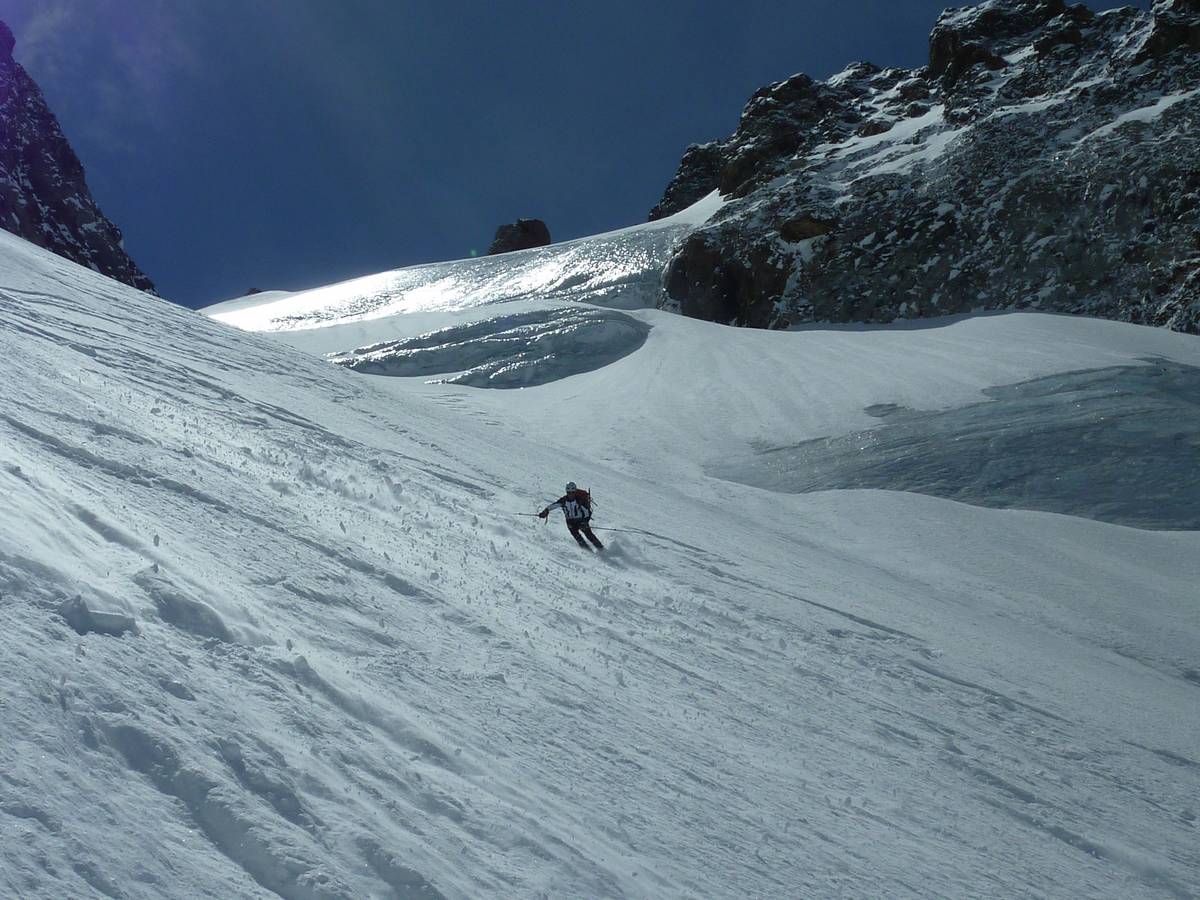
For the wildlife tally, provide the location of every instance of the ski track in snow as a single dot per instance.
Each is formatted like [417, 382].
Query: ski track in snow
[356, 673]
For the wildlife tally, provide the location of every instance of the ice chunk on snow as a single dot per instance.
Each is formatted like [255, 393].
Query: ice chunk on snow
[84, 619]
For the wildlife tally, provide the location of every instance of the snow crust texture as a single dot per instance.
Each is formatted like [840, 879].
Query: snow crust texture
[1044, 159]
[357, 670]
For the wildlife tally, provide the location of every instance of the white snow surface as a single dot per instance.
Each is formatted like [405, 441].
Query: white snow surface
[246, 300]
[620, 269]
[358, 668]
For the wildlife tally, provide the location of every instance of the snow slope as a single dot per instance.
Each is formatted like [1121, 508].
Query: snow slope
[357, 671]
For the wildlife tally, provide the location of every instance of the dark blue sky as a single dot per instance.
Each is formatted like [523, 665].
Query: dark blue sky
[290, 143]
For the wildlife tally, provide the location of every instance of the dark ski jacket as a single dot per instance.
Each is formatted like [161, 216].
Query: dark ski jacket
[577, 506]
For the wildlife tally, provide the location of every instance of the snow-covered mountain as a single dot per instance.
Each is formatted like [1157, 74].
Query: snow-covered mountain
[1046, 158]
[44, 197]
[361, 668]
[890, 612]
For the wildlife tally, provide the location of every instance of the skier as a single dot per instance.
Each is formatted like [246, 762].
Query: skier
[577, 507]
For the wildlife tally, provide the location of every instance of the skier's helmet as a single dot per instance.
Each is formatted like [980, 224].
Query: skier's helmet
[572, 487]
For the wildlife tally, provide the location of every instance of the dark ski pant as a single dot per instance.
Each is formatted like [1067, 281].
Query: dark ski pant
[579, 528]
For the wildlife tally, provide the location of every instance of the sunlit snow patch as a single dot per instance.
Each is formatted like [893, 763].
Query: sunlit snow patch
[1116, 445]
[507, 351]
[619, 270]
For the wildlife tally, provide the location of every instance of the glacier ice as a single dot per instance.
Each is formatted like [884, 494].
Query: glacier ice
[1115, 444]
[519, 350]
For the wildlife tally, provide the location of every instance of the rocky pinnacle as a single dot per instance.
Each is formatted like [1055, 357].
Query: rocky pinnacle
[44, 197]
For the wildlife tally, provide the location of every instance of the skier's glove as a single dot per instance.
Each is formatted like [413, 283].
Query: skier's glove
[543, 513]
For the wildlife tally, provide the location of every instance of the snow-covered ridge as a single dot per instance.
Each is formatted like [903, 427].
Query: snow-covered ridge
[495, 321]
[621, 269]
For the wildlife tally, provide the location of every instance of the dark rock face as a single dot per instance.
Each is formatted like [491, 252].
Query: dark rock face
[805, 226]
[698, 176]
[1046, 158]
[524, 234]
[962, 38]
[1176, 7]
[780, 121]
[723, 286]
[1176, 25]
[774, 124]
[43, 195]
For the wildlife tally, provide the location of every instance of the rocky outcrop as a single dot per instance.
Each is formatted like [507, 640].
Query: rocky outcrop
[524, 234]
[1176, 24]
[779, 122]
[43, 195]
[723, 286]
[698, 176]
[1047, 157]
[962, 39]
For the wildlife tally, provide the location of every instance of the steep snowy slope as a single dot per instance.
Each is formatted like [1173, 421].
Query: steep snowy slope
[1095, 621]
[356, 671]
